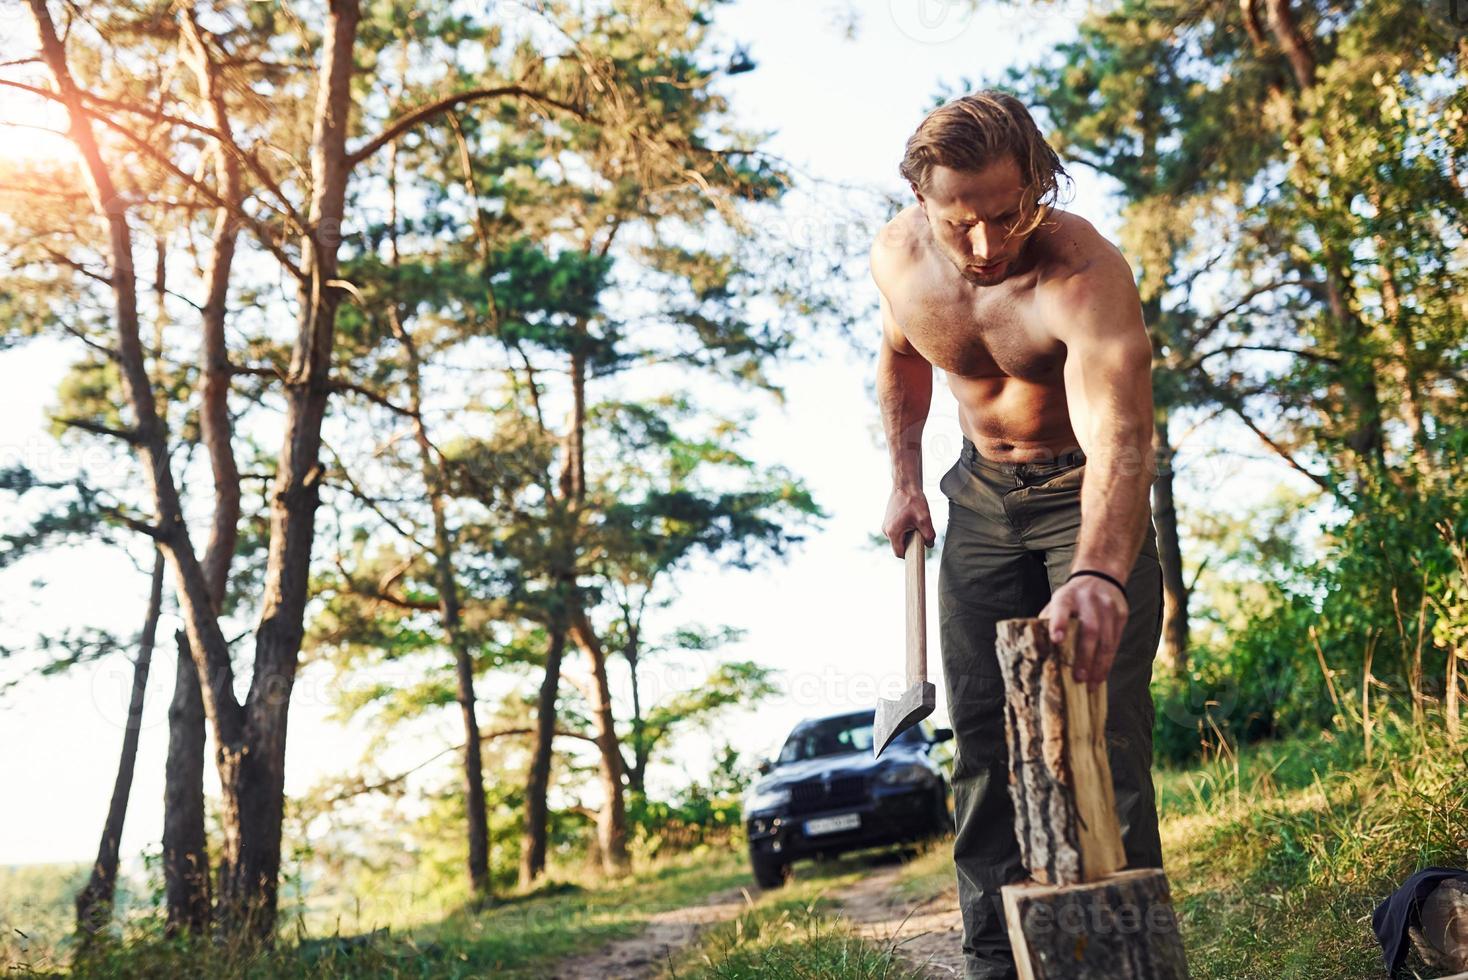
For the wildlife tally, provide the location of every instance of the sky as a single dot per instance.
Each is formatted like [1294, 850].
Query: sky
[840, 106]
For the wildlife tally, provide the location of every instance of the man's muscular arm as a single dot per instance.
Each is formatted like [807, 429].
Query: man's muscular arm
[1108, 388]
[905, 393]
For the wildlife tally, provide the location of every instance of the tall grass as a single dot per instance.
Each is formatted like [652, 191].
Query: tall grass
[1278, 853]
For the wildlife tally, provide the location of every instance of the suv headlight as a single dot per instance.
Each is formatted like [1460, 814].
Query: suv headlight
[766, 798]
[905, 775]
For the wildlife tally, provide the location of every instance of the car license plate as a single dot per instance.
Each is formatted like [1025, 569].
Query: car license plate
[830, 825]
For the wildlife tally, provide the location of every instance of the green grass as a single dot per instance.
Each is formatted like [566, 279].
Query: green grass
[1276, 855]
[792, 933]
[515, 937]
[1277, 858]
[930, 873]
[784, 939]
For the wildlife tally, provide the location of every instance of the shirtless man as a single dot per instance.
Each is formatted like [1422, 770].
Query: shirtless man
[1035, 320]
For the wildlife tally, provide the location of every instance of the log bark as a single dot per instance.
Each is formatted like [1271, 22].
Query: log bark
[1120, 928]
[1059, 775]
[1080, 919]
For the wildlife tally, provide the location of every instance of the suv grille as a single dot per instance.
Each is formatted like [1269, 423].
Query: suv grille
[817, 794]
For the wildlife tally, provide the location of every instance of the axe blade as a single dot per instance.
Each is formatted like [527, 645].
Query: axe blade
[895, 717]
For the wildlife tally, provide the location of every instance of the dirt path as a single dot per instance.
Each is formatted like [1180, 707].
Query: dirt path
[645, 954]
[924, 932]
[927, 932]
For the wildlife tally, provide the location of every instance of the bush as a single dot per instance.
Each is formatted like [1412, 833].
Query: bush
[1388, 589]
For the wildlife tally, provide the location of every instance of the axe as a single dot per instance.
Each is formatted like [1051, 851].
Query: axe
[895, 717]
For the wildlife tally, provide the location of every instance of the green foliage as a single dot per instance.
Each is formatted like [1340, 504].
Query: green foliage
[71, 513]
[544, 300]
[696, 814]
[1387, 583]
[735, 684]
[1299, 226]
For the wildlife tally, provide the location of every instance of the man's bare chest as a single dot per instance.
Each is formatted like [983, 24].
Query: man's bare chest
[997, 338]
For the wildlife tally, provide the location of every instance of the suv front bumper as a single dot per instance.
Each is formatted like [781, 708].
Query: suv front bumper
[891, 816]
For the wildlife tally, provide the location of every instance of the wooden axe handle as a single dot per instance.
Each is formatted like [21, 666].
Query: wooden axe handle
[917, 619]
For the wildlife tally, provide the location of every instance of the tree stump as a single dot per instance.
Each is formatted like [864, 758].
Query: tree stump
[1081, 918]
[1119, 928]
[1059, 776]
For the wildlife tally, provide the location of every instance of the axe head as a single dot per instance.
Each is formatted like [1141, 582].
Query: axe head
[895, 717]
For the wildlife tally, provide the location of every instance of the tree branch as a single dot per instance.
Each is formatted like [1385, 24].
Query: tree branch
[1283, 453]
[372, 396]
[142, 527]
[1231, 348]
[401, 125]
[61, 258]
[248, 157]
[129, 436]
[1217, 319]
[390, 781]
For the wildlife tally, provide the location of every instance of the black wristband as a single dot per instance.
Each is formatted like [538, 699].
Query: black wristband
[1100, 575]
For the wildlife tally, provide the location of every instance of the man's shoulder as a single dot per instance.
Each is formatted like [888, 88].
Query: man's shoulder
[898, 246]
[1089, 291]
[1083, 263]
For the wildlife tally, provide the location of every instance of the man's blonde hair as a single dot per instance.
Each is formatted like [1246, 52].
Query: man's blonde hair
[977, 130]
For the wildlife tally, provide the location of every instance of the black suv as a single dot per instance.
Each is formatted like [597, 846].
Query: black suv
[825, 794]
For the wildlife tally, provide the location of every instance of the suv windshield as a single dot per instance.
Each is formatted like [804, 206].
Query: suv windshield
[835, 736]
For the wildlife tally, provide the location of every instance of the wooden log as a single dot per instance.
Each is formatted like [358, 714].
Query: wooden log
[1120, 928]
[1059, 775]
[1081, 919]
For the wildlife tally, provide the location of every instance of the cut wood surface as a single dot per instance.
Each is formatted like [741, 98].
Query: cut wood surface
[1120, 928]
[1060, 779]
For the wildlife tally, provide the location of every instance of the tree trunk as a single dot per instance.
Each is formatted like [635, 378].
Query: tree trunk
[1404, 347]
[637, 775]
[476, 811]
[448, 599]
[573, 474]
[533, 840]
[148, 438]
[1357, 363]
[1169, 550]
[1296, 47]
[611, 822]
[185, 848]
[95, 901]
[252, 769]
[474, 802]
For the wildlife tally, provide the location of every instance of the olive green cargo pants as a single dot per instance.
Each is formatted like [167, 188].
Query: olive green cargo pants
[1010, 540]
